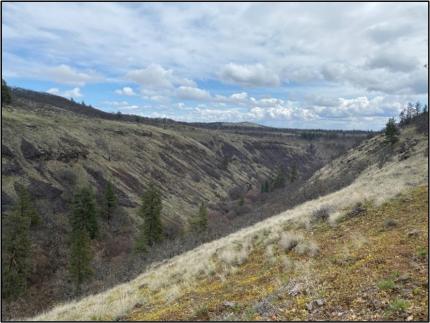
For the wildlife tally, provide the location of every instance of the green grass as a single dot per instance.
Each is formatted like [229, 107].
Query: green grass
[421, 252]
[386, 284]
[398, 305]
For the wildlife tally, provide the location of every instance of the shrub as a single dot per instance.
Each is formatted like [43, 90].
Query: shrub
[306, 247]
[357, 209]
[289, 241]
[390, 223]
[321, 214]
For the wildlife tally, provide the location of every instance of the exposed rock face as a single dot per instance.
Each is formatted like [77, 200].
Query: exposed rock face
[31, 152]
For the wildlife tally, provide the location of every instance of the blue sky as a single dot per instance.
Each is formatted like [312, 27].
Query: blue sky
[300, 65]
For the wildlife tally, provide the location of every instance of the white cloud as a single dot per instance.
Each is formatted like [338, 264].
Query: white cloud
[192, 93]
[72, 93]
[68, 75]
[153, 76]
[249, 75]
[296, 50]
[128, 91]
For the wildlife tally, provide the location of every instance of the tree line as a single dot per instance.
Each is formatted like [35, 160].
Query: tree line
[84, 228]
[411, 113]
[280, 179]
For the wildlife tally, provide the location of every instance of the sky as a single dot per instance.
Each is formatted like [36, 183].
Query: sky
[296, 65]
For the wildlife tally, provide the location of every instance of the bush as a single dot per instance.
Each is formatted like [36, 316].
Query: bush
[322, 214]
[306, 247]
[390, 223]
[357, 209]
[289, 241]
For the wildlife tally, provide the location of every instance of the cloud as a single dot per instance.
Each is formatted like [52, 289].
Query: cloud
[128, 91]
[393, 62]
[68, 75]
[383, 80]
[153, 76]
[249, 75]
[192, 93]
[249, 59]
[72, 93]
[385, 32]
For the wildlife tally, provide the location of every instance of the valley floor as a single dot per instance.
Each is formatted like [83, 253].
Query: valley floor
[370, 267]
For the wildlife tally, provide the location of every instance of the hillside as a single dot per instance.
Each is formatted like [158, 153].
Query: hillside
[52, 146]
[358, 253]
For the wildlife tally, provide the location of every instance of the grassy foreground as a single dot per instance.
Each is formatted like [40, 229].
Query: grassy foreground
[369, 267]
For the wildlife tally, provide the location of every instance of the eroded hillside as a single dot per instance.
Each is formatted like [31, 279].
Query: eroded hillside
[359, 253]
[52, 146]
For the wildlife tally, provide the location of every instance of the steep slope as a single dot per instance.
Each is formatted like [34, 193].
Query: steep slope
[52, 145]
[295, 266]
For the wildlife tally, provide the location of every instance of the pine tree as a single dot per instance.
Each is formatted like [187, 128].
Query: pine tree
[25, 208]
[84, 209]
[266, 186]
[16, 246]
[151, 229]
[84, 226]
[279, 181]
[391, 131]
[16, 250]
[293, 173]
[109, 202]
[5, 93]
[199, 222]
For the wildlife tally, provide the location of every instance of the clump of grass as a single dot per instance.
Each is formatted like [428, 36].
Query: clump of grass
[306, 247]
[321, 214]
[398, 305]
[249, 314]
[289, 241]
[390, 223]
[421, 252]
[201, 312]
[386, 284]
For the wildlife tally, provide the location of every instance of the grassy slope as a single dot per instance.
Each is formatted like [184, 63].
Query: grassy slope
[355, 256]
[243, 266]
[184, 161]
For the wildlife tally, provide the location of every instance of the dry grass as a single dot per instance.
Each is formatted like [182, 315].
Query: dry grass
[226, 254]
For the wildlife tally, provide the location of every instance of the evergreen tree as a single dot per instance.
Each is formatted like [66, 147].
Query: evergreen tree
[84, 226]
[151, 229]
[84, 209]
[293, 173]
[25, 208]
[391, 131]
[16, 246]
[266, 186]
[279, 180]
[5, 93]
[199, 222]
[16, 250]
[109, 202]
